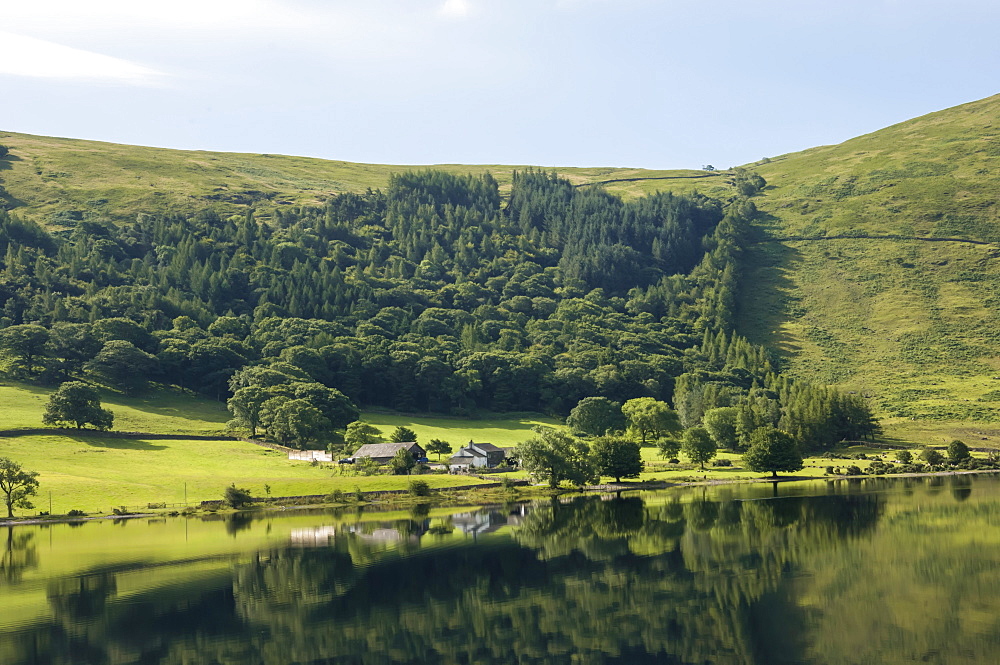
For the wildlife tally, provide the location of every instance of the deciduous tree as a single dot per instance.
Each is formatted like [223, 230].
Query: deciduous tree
[649, 417]
[617, 457]
[16, 485]
[958, 452]
[596, 416]
[403, 435]
[773, 450]
[360, 433]
[438, 447]
[554, 456]
[77, 403]
[698, 446]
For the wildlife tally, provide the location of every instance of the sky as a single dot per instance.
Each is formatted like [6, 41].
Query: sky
[618, 83]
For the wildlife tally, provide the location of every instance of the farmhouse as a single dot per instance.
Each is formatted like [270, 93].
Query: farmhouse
[383, 452]
[484, 455]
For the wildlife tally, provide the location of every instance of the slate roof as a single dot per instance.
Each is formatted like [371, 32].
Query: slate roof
[487, 447]
[383, 449]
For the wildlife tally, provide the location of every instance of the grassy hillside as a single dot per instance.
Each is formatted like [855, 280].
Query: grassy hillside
[94, 473]
[54, 179]
[876, 268]
[863, 281]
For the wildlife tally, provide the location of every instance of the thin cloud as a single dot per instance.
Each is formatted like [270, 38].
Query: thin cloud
[455, 8]
[27, 56]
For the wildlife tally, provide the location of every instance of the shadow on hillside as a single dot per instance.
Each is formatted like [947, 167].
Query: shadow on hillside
[167, 402]
[117, 444]
[6, 163]
[766, 299]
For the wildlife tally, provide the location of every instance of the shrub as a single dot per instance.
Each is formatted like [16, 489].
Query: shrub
[829, 470]
[75, 513]
[336, 496]
[931, 456]
[853, 470]
[723, 462]
[904, 456]
[507, 483]
[419, 488]
[358, 494]
[237, 497]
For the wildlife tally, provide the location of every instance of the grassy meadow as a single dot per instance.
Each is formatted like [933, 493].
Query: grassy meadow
[94, 473]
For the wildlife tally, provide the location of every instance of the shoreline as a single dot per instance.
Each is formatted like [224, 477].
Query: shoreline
[541, 491]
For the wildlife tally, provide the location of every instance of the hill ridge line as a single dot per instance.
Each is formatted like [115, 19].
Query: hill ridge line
[870, 237]
[662, 177]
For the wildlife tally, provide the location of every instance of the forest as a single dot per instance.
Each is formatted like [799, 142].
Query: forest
[438, 294]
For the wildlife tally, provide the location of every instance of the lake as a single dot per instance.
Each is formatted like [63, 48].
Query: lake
[852, 572]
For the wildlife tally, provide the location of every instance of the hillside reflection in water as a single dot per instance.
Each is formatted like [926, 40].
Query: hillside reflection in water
[883, 571]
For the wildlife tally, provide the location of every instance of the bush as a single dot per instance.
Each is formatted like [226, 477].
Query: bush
[829, 470]
[359, 496]
[507, 483]
[722, 462]
[237, 497]
[419, 488]
[853, 470]
[904, 456]
[336, 496]
[75, 513]
[878, 467]
[931, 456]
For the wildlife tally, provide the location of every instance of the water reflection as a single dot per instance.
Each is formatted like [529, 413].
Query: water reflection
[704, 577]
[18, 554]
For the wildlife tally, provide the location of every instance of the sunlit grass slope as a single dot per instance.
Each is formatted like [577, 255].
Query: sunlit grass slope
[161, 411]
[912, 322]
[93, 473]
[49, 178]
[90, 472]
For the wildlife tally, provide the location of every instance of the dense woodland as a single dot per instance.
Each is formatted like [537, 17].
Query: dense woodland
[437, 294]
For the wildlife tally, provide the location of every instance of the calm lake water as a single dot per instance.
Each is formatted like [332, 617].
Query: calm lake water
[874, 571]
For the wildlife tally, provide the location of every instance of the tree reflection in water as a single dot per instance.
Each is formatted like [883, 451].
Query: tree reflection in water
[590, 580]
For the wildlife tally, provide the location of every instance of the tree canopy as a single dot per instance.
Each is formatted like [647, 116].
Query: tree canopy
[554, 456]
[16, 485]
[698, 446]
[617, 457]
[596, 416]
[773, 450]
[78, 404]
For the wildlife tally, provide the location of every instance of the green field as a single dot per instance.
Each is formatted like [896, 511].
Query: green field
[96, 474]
[509, 430]
[160, 411]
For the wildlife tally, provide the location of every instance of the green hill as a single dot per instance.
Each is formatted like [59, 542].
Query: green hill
[861, 280]
[874, 268]
[51, 179]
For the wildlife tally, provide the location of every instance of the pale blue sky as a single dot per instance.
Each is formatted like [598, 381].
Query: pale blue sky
[656, 84]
